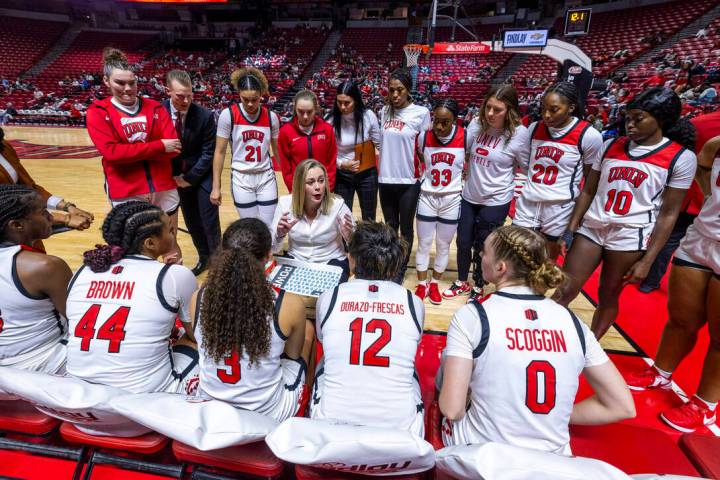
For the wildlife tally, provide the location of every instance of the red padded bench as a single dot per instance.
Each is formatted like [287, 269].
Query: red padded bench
[704, 452]
[254, 459]
[18, 416]
[630, 448]
[303, 472]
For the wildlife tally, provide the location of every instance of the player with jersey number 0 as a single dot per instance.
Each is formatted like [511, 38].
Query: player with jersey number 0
[251, 129]
[443, 150]
[694, 300]
[630, 202]
[520, 355]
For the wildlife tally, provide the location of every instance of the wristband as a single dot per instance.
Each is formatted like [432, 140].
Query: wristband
[567, 237]
[68, 205]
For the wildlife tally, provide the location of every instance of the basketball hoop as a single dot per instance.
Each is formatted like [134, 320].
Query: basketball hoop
[412, 53]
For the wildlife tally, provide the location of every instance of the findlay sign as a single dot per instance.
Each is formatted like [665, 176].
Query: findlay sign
[442, 48]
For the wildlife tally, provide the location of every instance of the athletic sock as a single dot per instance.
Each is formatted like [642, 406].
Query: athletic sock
[710, 405]
[663, 373]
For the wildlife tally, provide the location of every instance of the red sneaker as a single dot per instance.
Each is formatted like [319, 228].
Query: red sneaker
[689, 416]
[477, 293]
[421, 291]
[647, 378]
[434, 294]
[457, 288]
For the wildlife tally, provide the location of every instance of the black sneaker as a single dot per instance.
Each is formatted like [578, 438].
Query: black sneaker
[476, 293]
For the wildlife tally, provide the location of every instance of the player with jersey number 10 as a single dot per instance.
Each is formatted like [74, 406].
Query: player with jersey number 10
[520, 355]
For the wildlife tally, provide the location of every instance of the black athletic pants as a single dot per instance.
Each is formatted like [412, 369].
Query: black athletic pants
[399, 204]
[660, 265]
[202, 219]
[476, 223]
[365, 184]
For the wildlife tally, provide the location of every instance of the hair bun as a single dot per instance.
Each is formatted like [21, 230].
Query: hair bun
[112, 54]
[102, 257]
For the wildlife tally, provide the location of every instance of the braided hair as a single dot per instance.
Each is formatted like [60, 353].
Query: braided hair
[525, 250]
[569, 92]
[449, 104]
[249, 78]
[377, 251]
[16, 201]
[236, 303]
[125, 229]
[665, 106]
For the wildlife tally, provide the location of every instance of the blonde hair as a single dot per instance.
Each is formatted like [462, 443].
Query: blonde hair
[525, 250]
[298, 190]
[306, 94]
[179, 76]
[114, 58]
[249, 78]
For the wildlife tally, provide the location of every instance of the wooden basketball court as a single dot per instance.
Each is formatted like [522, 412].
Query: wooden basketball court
[64, 162]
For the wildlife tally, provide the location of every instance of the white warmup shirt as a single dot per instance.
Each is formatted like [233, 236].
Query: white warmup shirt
[398, 163]
[632, 181]
[348, 138]
[317, 241]
[527, 352]
[120, 322]
[492, 160]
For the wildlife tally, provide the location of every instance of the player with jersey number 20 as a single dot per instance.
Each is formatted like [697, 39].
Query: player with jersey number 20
[520, 354]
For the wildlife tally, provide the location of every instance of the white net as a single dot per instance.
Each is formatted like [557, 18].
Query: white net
[412, 54]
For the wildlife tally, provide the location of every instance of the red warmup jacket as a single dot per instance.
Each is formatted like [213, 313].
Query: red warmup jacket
[295, 146]
[133, 156]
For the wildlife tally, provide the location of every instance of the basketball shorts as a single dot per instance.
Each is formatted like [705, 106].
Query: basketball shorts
[169, 200]
[250, 190]
[618, 238]
[416, 424]
[186, 371]
[698, 251]
[49, 358]
[443, 208]
[549, 218]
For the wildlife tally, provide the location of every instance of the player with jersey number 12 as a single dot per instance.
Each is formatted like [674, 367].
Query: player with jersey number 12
[521, 354]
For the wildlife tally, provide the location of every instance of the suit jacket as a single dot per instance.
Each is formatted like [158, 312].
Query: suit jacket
[24, 177]
[198, 146]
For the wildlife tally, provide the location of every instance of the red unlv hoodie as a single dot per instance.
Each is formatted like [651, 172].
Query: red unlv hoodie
[133, 156]
[294, 146]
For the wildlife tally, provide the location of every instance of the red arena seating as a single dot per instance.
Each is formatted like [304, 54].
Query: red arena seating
[21, 417]
[702, 450]
[145, 444]
[251, 459]
[24, 42]
[630, 448]
[303, 472]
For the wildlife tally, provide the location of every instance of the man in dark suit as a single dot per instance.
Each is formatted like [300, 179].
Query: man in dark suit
[192, 169]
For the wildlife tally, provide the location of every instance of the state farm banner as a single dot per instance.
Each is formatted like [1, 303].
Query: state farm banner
[442, 48]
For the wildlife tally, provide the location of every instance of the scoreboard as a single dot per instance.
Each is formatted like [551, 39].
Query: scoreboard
[577, 21]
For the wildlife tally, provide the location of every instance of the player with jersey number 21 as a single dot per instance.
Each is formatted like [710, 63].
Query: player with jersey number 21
[520, 354]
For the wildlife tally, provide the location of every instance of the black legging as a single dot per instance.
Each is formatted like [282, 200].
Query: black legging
[365, 184]
[477, 222]
[399, 204]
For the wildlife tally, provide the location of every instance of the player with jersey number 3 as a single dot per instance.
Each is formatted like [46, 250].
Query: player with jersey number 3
[443, 150]
[630, 202]
[251, 129]
[122, 305]
[520, 354]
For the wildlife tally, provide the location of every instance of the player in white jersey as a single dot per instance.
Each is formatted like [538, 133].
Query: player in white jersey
[401, 122]
[370, 329]
[33, 329]
[520, 354]
[630, 202]
[122, 305]
[251, 129]
[694, 301]
[442, 149]
[562, 149]
[251, 338]
[496, 145]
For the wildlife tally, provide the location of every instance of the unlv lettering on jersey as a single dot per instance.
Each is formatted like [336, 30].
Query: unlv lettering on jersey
[396, 124]
[252, 135]
[533, 340]
[442, 157]
[546, 151]
[488, 141]
[110, 289]
[630, 174]
[135, 128]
